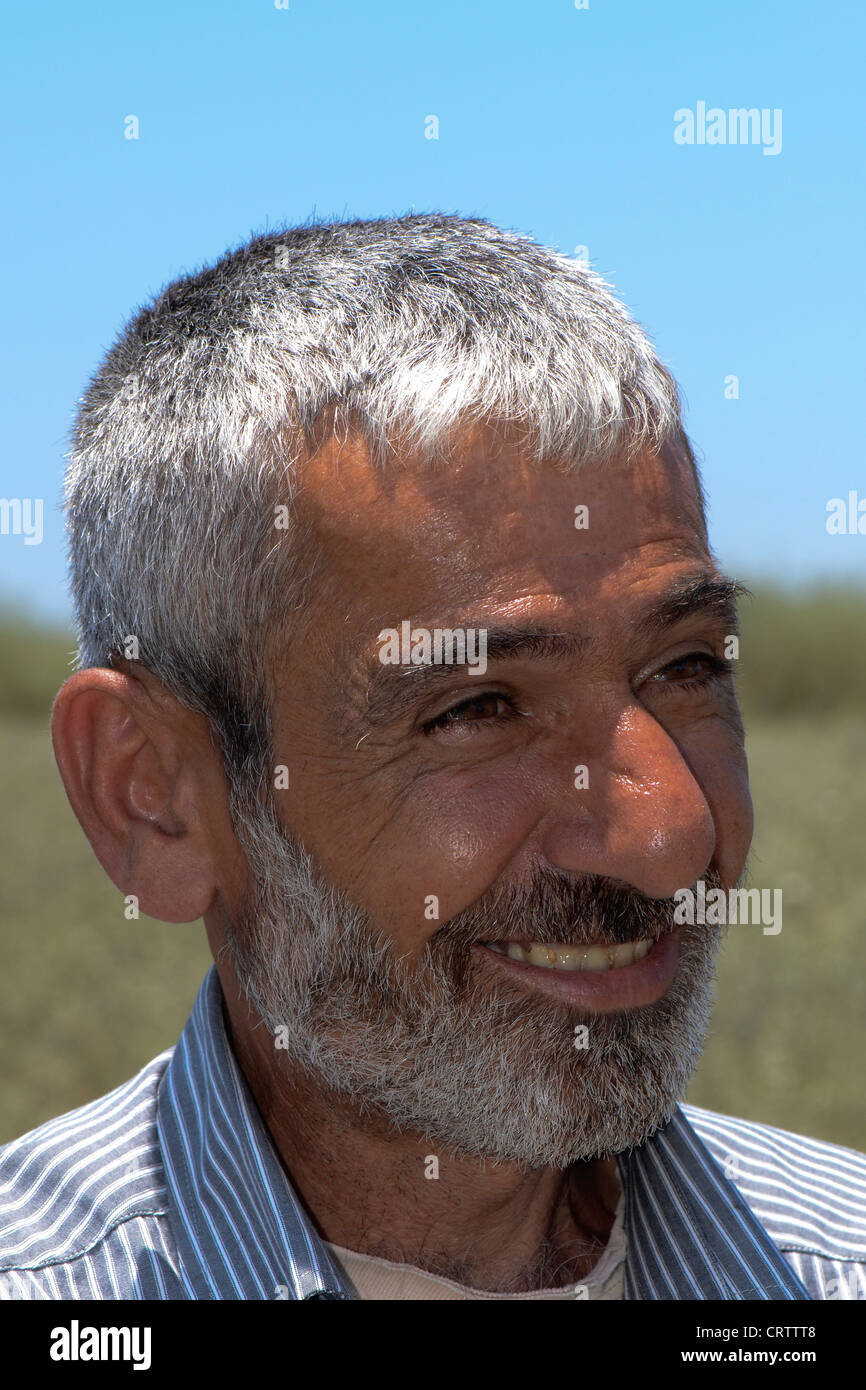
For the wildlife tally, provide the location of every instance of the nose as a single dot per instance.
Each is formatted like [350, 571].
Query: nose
[643, 817]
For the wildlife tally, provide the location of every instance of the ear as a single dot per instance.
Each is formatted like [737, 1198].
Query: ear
[147, 784]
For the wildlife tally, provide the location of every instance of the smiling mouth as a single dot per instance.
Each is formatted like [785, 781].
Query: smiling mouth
[591, 957]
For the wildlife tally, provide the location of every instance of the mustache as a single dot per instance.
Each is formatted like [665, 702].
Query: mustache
[564, 911]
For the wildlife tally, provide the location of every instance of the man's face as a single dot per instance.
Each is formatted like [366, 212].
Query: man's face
[437, 826]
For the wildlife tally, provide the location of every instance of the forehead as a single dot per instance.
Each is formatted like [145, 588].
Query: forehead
[491, 526]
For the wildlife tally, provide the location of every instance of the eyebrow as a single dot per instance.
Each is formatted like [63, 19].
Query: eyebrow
[391, 690]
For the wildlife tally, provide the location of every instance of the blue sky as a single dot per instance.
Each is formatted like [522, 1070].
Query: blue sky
[555, 121]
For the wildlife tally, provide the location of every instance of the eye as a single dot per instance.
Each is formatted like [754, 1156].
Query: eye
[490, 707]
[693, 671]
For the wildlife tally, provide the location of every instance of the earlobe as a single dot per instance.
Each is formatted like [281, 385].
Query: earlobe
[136, 777]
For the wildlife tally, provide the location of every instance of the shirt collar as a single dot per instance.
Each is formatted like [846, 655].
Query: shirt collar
[690, 1234]
[240, 1228]
[242, 1232]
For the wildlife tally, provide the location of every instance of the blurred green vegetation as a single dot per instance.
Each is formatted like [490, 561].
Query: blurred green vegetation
[87, 997]
[34, 662]
[803, 653]
[788, 1032]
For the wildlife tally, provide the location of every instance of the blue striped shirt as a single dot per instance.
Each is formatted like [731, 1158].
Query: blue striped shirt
[170, 1188]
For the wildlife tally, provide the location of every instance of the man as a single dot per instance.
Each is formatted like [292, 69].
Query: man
[405, 664]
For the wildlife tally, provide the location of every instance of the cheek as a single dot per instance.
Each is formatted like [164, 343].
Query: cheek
[452, 842]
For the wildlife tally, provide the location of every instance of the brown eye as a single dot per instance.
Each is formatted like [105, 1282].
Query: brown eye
[488, 706]
[692, 671]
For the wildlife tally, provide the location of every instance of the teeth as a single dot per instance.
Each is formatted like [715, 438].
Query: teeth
[596, 958]
[574, 957]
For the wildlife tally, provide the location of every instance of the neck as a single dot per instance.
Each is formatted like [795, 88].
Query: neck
[493, 1226]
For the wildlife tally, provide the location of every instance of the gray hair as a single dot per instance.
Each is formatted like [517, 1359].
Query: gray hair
[404, 328]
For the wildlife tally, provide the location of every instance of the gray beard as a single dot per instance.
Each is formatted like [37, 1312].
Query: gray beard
[421, 1044]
